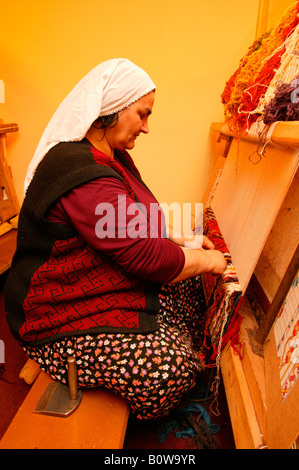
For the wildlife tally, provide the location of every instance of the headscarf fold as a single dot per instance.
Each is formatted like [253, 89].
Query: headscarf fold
[108, 88]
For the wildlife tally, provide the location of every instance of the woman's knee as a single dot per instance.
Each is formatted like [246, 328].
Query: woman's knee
[160, 396]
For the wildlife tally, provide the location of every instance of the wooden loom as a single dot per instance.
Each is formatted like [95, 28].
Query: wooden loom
[254, 195]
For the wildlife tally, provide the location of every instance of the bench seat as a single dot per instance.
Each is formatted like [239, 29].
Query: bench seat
[99, 422]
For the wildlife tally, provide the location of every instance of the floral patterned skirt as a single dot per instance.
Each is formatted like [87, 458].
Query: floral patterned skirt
[152, 371]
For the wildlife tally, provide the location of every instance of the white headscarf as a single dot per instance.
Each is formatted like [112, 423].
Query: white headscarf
[108, 88]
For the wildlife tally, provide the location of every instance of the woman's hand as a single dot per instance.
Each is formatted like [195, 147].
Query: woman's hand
[193, 241]
[200, 255]
[217, 261]
[207, 244]
[201, 260]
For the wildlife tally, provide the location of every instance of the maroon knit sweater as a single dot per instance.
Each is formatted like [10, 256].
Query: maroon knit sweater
[62, 285]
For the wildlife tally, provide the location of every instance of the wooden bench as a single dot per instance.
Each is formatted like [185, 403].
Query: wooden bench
[99, 422]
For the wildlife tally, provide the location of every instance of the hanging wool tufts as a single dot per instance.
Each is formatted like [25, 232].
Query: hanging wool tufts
[226, 96]
[284, 106]
[244, 90]
[246, 114]
[286, 73]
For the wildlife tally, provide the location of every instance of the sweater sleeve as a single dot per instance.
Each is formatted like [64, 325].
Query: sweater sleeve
[106, 217]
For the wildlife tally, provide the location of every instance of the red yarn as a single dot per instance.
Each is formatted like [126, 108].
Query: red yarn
[225, 97]
[243, 119]
[232, 334]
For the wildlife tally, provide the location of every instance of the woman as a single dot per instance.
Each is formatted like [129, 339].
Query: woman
[123, 302]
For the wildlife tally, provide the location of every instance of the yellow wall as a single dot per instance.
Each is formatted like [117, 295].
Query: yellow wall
[270, 13]
[189, 47]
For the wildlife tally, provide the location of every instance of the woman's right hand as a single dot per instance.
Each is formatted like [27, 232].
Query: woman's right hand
[218, 261]
[200, 260]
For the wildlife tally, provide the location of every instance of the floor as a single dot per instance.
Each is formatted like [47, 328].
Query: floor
[140, 434]
[147, 435]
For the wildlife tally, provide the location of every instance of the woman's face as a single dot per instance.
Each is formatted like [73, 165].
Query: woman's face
[132, 121]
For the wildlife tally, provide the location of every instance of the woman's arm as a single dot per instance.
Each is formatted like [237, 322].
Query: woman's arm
[152, 258]
[141, 251]
[200, 255]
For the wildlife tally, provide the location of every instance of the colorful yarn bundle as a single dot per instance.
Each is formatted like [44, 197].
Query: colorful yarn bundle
[274, 53]
[235, 86]
[286, 72]
[246, 114]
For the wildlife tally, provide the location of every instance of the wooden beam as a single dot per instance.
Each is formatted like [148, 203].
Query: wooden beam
[285, 133]
[5, 128]
[280, 295]
[262, 18]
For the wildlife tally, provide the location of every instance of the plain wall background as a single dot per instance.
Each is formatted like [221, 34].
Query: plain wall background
[190, 48]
